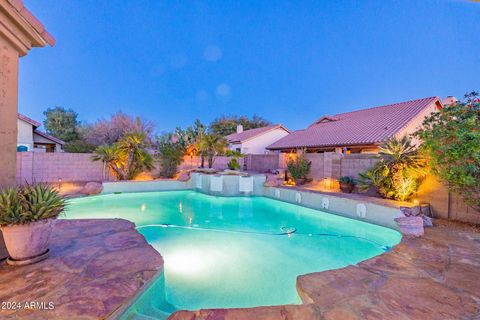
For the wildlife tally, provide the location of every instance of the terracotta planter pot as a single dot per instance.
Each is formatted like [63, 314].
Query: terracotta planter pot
[300, 182]
[346, 187]
[25, 241]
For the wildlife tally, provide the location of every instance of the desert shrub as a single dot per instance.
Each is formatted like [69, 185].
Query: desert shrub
[451, 142]
[233, 164]
[299, 167]
[399, 172]
[170, 155]
[29, 203]
[347, 180]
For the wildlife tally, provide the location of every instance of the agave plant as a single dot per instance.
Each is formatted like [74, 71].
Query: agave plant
[29, 203]
[399, 172]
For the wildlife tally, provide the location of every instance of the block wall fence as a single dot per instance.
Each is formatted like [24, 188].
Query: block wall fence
[78, 167]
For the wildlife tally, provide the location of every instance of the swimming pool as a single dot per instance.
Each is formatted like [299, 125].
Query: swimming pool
[223, 252]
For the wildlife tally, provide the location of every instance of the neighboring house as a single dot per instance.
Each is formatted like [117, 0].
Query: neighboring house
[255, 141]
[29, 138]
[360, 131]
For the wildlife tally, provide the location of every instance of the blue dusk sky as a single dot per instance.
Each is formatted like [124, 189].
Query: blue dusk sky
[287, 61]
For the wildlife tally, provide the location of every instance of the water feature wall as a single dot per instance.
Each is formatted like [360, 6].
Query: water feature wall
[228, 185]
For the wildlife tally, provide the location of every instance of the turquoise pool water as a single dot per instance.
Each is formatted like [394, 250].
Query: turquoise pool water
[234, 252]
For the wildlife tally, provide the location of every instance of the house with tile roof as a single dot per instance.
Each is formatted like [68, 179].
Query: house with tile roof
[360, 131]
[255, 141]
[30, 138]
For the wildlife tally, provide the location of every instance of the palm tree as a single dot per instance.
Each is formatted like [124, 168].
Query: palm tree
[397, 175]
[109, 155]
[128, 157]
[132, 149]
[210, 145]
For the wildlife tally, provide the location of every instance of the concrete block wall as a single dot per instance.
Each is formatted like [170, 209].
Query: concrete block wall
[262, 162]
[50, 167]
[352, 164]
[219, 162]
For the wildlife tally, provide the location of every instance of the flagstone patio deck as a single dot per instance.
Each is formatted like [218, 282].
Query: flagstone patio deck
[95, 267]
[434, 277]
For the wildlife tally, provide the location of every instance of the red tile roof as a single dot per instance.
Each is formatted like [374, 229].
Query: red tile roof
[249, 134]
[49, 137]
[367, 126]
[28, 120]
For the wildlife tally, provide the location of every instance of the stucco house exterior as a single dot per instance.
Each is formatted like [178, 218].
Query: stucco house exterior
[255, 141]
[29, 138]
[360, 131]
[20, 32]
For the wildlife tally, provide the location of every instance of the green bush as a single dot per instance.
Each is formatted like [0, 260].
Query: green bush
[299, 167]
[347, 180]
[451, 142]
[170, 155]
[398, 174]
[24, 204]
[233, 164]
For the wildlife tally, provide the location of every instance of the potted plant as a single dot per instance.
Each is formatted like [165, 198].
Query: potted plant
[347, 184]
[299, 168]
[27, 216]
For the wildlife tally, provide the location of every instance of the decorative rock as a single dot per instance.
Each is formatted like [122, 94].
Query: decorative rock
[411, 211]
[273, 181]
[410, 226]
[427, 221]
[184, 176]
[422, 211]
[92, 188]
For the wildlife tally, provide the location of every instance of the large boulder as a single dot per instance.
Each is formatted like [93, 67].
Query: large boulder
[410, 226]
[92, 188]
[184, 176]
[273, 181]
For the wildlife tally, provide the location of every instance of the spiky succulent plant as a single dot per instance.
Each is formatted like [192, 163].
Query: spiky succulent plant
[29, 203]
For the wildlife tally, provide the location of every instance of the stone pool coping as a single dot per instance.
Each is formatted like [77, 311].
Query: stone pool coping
[433, 277]
[95, 267]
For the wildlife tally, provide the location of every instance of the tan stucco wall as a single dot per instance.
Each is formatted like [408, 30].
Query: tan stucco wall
[25, 134]
[8, 112]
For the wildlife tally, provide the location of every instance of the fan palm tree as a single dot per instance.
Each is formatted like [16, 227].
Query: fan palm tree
[109, 155]
[211, 145]
[128, 157]
[132, 149]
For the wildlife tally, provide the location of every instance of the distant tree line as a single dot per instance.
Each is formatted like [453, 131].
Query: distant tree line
[126, 144]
